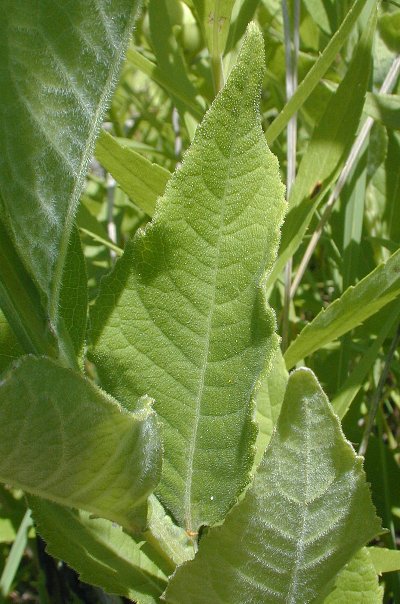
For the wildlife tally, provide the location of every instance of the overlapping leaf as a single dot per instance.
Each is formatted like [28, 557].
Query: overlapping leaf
[183, 317]
[307, 513]
[65, 440]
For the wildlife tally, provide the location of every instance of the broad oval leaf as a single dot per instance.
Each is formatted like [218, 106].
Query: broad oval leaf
[65, 440]
[51, 111]
[183, 316]
[307, 513]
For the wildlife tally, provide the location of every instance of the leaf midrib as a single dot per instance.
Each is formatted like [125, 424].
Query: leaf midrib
[205, 363]
[81, 173]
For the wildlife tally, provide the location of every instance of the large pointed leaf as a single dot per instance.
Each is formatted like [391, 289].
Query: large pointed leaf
[183, 317]
[355, 305]
[63, 439]
[58, 65]
[102, 553]
[307, 513]
[357, 582]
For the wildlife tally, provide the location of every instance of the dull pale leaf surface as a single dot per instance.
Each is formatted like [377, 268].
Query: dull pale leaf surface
[59, 62]
[307, 513]
[65, 440]
[183, 317]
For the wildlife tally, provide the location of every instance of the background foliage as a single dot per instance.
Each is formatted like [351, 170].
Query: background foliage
[169, 78]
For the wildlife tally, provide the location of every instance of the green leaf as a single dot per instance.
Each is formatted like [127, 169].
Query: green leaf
[385, 560]
[269, 399]
[21, 304]
[74, 296]
[331, 141]
[215, 18]
[183, 317]
[172, 539]
[357, 582]
[168, 53]
[141, 180]
[356, 379]
[89, 225]
[307, 513]
[9, 347]
[384, 108]
[389, 28]
[52, 111]
[317, 72]
[157, 75]
[15, 555]
[355, 305]
[64, 439]
[101, 552]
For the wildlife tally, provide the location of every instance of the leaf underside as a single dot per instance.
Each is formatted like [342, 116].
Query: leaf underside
[307, 513]
[58, 67]
[63, 439]
[183, 317]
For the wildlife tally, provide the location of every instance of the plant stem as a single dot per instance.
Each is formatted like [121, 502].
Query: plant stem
[376, 398]
[386, 87]
[291, 56]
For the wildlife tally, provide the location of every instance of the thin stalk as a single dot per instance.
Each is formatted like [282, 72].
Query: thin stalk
[354, 154]
[291, 57]
[376, 398]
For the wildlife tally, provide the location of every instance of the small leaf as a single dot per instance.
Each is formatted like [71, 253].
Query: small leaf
[52, 109]
[385, 560]
[357, 582]
[73, 295]
[307, 513]
[63, 439]
[384, 108]
[183, 317]
[269, 399]
[141, 180]
[102, 553]
[355, 305]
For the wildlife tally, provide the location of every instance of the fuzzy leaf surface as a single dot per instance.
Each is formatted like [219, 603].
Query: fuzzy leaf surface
[307, 513]
[183, 317]
[51, 111]
[65, 440]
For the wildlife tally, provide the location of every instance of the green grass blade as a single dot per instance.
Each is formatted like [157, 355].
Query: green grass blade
[355, 381]
[141, 180]
[385, 560]
[52, 111]
[63, 439]
[183, 317]
[15, 555]
[307, 513]
[355, 305]
[331, 141]
[315, 74]
[157, 75]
